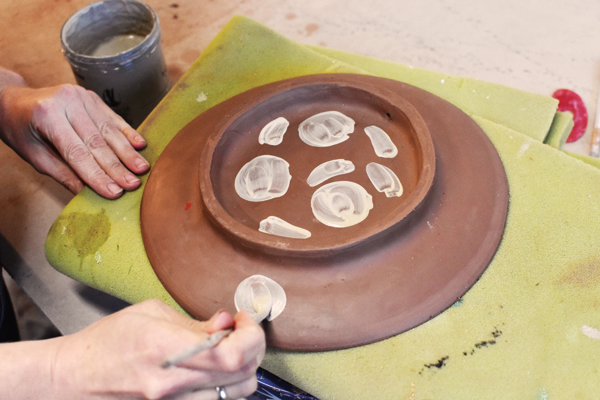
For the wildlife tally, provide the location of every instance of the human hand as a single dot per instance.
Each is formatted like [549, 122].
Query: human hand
[120, 356]
[68, 133]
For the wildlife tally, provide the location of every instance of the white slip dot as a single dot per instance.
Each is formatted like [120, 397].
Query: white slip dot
[590, 332]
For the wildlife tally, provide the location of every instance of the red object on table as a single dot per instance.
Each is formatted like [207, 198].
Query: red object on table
[571, 101]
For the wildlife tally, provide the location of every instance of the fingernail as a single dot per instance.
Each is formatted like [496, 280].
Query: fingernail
[139, 139]
[114, 188]
[141, 163]
[218, 313]
[131, 179]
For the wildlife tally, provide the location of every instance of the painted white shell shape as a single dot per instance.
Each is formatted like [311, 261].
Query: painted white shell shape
[341, 204]
[328, 170]
[384, 180]
[251, 296]
[278, 227]
[264, 178]
[382, 144]
[326, 129]
[273, 132]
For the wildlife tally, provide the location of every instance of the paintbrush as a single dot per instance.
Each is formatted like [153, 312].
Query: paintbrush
[194, 349]
[261, 297]
[259, 309]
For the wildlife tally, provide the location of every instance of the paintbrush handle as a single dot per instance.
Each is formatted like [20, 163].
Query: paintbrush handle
[194, 349]
[595, 143]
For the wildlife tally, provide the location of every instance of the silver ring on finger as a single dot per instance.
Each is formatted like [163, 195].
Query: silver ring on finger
[222, 393]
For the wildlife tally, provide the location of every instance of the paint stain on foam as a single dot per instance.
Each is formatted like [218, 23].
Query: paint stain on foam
[458, 303]
[87, 232]
[590, 332]
[496, 333]
[584, 275]
[523, 149]
[441, 363]
[201, 97]
[413, 392]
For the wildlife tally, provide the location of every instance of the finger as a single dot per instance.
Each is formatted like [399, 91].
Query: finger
[241, 351]
[241, 389]
[47, 162]
[98, 146]
[235, 391]
[219, 321]
[132, 135]
[121, 137]
[243, 320]
[44, 158]
[202, 343]
[247, 335]
[181, 379]
[69, 145]
[256, 337]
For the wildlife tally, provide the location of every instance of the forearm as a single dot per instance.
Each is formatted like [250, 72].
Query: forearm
[26, 370]
[9, 78]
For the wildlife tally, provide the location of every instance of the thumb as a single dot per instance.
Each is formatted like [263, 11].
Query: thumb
[218, 322]
[243, 319]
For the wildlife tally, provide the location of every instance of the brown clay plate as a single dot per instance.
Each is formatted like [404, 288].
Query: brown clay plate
[235, 142]
[372, 289]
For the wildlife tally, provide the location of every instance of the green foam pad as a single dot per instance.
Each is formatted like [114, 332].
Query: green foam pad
[559, 130]
[595, 161]
[525, 112]
[518, 333]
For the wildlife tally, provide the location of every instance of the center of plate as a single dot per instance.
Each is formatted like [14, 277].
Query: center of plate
[313, 169]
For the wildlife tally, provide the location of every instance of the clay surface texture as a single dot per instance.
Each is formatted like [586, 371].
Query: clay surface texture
[326, 125]
[415, 253]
